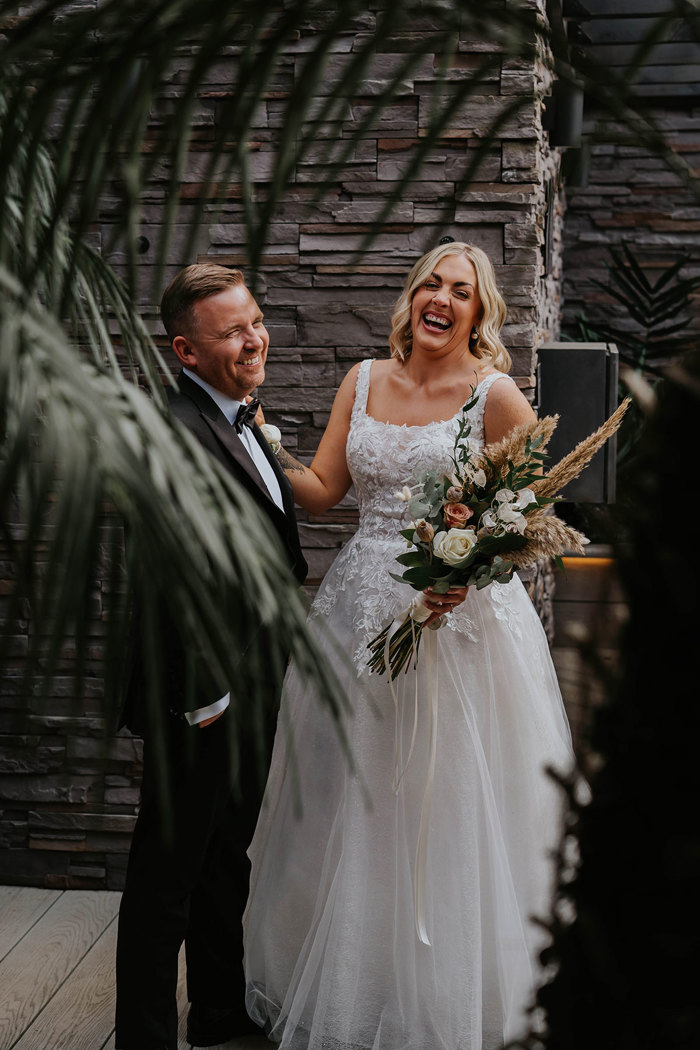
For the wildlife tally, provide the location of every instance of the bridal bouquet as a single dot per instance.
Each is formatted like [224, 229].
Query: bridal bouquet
[486, 519]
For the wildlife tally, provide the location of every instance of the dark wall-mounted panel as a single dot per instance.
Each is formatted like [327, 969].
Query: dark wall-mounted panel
[578, 382]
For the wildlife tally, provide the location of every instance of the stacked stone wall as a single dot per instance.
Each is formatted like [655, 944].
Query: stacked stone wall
[69, 794]
[631, 197]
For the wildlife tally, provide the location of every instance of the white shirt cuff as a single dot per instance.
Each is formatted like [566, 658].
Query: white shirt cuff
[195, 717]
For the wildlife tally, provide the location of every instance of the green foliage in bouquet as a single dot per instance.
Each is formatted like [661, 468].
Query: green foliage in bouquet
[477, 525]
[487, 499]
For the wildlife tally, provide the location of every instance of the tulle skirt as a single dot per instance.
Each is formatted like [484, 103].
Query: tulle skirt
[333, 955]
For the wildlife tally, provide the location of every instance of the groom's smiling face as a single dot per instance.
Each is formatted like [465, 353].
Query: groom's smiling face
[227, 342]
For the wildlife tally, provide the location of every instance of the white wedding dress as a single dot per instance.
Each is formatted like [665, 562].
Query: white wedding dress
[333, 958]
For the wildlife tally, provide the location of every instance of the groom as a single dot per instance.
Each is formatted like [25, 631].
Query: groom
[187, 877]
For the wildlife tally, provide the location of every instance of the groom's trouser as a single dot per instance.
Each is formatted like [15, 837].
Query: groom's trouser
[187, 879]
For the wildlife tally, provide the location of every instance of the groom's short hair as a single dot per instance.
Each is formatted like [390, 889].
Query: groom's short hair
[195, 282]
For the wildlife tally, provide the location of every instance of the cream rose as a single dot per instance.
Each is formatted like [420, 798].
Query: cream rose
[273, 436]
[454, 545]
[456, 515]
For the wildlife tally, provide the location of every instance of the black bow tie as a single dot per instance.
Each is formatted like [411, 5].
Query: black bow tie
[245, 417]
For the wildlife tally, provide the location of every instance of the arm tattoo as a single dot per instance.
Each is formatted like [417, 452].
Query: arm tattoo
[288, 463]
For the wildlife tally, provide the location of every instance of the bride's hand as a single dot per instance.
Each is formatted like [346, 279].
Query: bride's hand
[440, 604]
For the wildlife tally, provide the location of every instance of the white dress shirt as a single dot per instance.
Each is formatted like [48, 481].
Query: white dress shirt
[229, 406]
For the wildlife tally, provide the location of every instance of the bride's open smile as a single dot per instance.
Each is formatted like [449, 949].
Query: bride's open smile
[446, 307]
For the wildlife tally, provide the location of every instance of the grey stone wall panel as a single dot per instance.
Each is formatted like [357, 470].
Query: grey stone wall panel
[69, 793]
[630, 197]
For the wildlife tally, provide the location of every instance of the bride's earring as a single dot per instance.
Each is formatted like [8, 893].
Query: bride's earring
[474, 335]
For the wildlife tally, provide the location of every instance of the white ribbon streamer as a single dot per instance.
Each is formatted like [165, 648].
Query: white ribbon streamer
[431, 667]
[398, 771]
[421, 863]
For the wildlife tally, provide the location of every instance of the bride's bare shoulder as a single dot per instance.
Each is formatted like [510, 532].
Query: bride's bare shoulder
[385, 366]
[506, 407]
[385, 372]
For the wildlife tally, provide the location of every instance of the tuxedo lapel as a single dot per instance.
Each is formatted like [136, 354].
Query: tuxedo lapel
[284, 482]
[299, 566]
[226, 435]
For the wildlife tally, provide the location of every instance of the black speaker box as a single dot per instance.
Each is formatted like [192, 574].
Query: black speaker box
[578, 381]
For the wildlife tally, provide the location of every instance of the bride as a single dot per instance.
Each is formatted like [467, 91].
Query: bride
[338, 953]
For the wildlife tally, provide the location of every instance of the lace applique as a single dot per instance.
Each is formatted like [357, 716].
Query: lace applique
[499, 594]
[381, 458]
[323, 603]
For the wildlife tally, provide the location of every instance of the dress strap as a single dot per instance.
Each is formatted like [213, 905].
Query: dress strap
[361, 389]
[486, 384]
[477, 415]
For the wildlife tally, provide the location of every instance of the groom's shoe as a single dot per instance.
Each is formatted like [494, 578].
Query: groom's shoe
[208, 1026]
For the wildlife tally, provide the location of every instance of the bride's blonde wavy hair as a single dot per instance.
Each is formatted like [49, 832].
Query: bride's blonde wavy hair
[486, 343]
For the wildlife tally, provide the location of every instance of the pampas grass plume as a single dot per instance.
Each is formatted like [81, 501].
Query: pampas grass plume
[571, 466]
[511, 449]
[547, 537]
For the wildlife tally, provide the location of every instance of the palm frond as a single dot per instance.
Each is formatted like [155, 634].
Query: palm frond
[74, 437]
[661, 309]
[89, 118]
[86, 112]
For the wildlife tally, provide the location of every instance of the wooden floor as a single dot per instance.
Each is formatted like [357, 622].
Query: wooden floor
[57, 954]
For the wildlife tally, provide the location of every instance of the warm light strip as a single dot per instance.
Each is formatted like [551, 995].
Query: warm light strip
[587, 563]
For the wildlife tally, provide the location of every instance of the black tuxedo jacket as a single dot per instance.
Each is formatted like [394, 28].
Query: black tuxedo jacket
[184, 683]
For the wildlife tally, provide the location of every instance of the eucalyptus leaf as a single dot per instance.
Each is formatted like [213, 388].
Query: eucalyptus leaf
[418, 508]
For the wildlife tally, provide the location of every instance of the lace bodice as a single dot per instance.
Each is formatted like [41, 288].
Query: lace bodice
[381, 458]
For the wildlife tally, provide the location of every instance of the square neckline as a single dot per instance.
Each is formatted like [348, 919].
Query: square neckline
[418, 426]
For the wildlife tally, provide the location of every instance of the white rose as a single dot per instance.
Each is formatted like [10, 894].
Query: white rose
[454, 545]
[271, 433]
